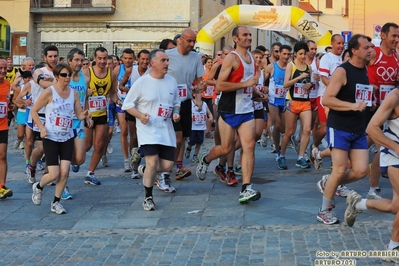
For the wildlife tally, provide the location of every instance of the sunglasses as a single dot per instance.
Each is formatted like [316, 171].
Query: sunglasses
[64, 75]
[276, 51]
[219, 54]
[267, 55]
[85, 64]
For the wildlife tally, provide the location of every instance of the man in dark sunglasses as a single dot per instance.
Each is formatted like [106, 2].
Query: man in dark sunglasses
[275, 52]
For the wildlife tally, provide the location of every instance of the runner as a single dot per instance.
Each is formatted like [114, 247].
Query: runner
[236, 81]
[346, 98]
[154, 101]
[60, 101]
[103, 83]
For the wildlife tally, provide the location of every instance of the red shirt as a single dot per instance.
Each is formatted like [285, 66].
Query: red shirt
[4, 101]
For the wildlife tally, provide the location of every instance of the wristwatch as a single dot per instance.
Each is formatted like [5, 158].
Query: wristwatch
[41, 76]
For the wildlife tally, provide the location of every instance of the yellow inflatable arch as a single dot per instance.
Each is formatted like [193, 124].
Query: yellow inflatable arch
[278, 18]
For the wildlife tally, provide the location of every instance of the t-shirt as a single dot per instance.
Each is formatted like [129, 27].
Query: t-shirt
[157, 97]
[184, 69]
[328, 63]
[4, 100]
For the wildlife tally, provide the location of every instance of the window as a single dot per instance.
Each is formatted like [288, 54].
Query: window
[329, 4]
[223, 2]
[286, 2]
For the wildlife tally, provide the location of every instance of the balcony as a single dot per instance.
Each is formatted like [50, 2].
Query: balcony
[67, 7]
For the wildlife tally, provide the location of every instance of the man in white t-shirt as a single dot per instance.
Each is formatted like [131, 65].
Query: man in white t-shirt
[154, 101]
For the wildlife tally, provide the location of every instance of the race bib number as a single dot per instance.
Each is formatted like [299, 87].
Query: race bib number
[199, 119]
[97, 103]
[247, 92]
[313, 91]
[62, 123]
[182, 91]
[36, 127]
[3, 109]
[209, 91]
[280, 91]
[384, 90]
[164, 111]
[364, 93]
[299, 92]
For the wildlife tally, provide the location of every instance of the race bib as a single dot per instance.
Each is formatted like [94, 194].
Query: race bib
[35, 126]
[364, 93]
[182, 91]
[313, 91]
[247, 92]
[299, 92]
[62, 123]
[258, 105]
[164, 111]
[209, 91]
[97, 103]
[280, 91]
[384, 90]
[3, 109]
[199, 119]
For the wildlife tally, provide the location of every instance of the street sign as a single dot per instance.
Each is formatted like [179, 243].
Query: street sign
[346, 35]
[377, 31]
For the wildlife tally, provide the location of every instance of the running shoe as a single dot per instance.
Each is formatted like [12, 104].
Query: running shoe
[219, 171]
[135, 175]
[104, 160]
[342, 191]
[327, 217]
[36, 194]
[375, 194]
[187, 153]
[318, 163]
[22, 145]
[16, 144]
[75, 168]
[302, 163]
[148, 204]
[66, 195]
[273, 148]
[295, 144]
[321, 184]
[30, 174]
[92, 180]
[281, 163]
[110, 149]
[394, 259]
[135, 158]
[195, 159]
[231, 179]
[263, 140]
[182, 173]
[164, 183]
[351, 212]
[40, 166]
[248, 195]
[128, 167]
[5, 192]
[202, 167]
[141, 169]
[238, 170]
[57, 208]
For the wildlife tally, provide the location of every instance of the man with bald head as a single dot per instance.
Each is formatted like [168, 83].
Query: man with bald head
[186, 67]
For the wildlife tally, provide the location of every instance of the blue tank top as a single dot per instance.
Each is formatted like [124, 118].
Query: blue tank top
[121, 73]
[80, 87]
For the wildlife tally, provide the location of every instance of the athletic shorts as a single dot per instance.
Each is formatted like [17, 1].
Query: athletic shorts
[321, 110]
[4, 136]
[313, 104]
[388, 159]
[277, 102]
[99, 120]
[259, 114]
[297, 107]
[164, 152]
[56, 151]
[130, 117]
[197, 137]
[235, 120]
[21, 117]
[185, 122]
[78, 130]
[346, 141]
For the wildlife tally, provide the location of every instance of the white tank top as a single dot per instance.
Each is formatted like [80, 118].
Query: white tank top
[198, 117]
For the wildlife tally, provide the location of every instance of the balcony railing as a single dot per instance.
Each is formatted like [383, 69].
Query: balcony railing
[72, 6]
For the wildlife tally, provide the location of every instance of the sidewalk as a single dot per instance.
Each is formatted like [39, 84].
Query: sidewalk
[201, 224]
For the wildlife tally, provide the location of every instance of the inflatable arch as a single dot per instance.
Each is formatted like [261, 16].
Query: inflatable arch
[278, 18]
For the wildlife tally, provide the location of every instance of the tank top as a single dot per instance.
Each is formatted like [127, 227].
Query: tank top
[10, 75]
[350, 121]
[101, 88]
[296, 92]
[4, 100]
[315, 88]
[59, 117]
[392, 132]
[80, 87]
[121, 94]
[239, 101]
[276, 82]
[383, 73]
[198, 117]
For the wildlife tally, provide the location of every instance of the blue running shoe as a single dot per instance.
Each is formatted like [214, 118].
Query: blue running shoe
[40, 165]
[75, 168]
[92, 180]
[66, 195]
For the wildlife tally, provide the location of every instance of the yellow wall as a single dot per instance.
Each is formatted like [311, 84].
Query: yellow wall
[16, 12]
[332, 18]
[378, 13]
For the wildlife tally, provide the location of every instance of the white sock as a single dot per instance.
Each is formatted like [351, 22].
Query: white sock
[88, 173]
[361, 205]
[372, 190]
[300, 157]
[392, 244]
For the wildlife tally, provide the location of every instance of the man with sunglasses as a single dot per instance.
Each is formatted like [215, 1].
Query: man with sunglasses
[187, 68]
[275, 52]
